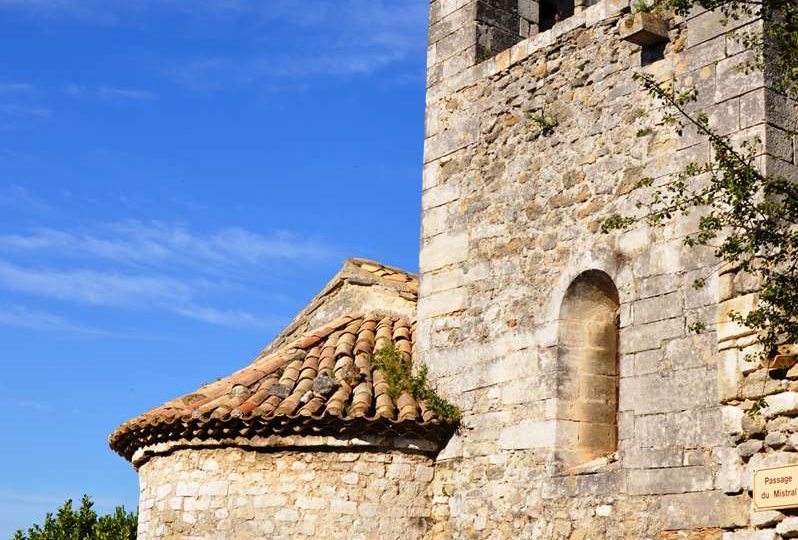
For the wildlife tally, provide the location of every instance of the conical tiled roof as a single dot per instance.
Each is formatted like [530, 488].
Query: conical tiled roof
[322, 383]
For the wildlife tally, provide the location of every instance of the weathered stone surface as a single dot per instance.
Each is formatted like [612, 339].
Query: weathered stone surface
[775, 439]
[670, 480]
[282, 494]
[750, 535]
[698, 510]
[749, 448]
[730, 472]
[766, 518]
[779, 404]
[788, 528]
[528, 434]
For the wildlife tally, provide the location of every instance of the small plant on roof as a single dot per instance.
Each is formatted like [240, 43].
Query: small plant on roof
[397, 368]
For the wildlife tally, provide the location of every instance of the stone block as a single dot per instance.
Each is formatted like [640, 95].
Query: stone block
[706, 53]
[766, 518]
[788, 528]
[633, 242]
[581, 486]
[436, 221]
[665, 257]
[269, 500]
[443, 250]
[528, 434]
[700, 510]
[440, 194]
[728, 329]
[750, 447]
[691, 429]
[703, 296]
[658, 308]
[287, 514]
[659, 285]
[642, 363]
[442, 303]
[456, 137]
[729, 376]
[644, 29]
[732, 82]
[216, 488]
[453, 43]
[752, 108]
[732, 419]
[512, 366]
[644, 337]
[710, 25]
[649, 458]
[654, 393]
[750, 535]
[730, 472]
[785, 403]
[669, 480]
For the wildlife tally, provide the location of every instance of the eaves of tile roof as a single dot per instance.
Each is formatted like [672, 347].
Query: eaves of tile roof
[321, 383]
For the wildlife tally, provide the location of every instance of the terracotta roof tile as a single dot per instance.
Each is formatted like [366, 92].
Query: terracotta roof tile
[321, 383]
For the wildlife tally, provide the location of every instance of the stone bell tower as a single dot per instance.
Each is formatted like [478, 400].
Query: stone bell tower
[589, 408]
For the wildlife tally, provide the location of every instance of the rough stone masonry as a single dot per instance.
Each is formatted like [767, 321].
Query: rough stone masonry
[526, 152]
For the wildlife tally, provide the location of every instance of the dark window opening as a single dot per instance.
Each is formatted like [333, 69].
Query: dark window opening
[652, 53]
[554, 11]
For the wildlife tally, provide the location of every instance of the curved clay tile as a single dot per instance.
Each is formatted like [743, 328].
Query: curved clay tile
[324, 382]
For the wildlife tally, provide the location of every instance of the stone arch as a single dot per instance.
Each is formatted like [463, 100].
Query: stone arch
[587, 385]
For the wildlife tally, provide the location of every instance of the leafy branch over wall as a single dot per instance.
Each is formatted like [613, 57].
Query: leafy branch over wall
[749, 217]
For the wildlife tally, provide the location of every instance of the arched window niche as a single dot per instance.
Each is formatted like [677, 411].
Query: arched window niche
[587, 383]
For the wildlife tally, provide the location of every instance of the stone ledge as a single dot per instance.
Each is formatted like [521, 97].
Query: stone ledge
[280, 443]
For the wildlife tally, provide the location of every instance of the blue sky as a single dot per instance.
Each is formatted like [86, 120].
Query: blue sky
[177, 179]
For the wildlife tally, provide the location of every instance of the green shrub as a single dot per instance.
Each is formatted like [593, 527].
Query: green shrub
[83, 524]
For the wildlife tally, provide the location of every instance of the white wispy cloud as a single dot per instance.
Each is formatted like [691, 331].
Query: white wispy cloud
[339, 37]
[144, 265]
[104, 289]
[350, 37]
[125, 93]
[15, 88]
[16, 110]
[18, 105]
[93, 287]
[109, 92]
[15, 115]
[86, 10]
[18, 316]
[157, 243]
[230, 318]
[31, 405]
[19, 197]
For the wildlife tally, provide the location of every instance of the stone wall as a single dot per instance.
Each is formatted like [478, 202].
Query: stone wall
[235, 493]
[760, 400]
[511, 214]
